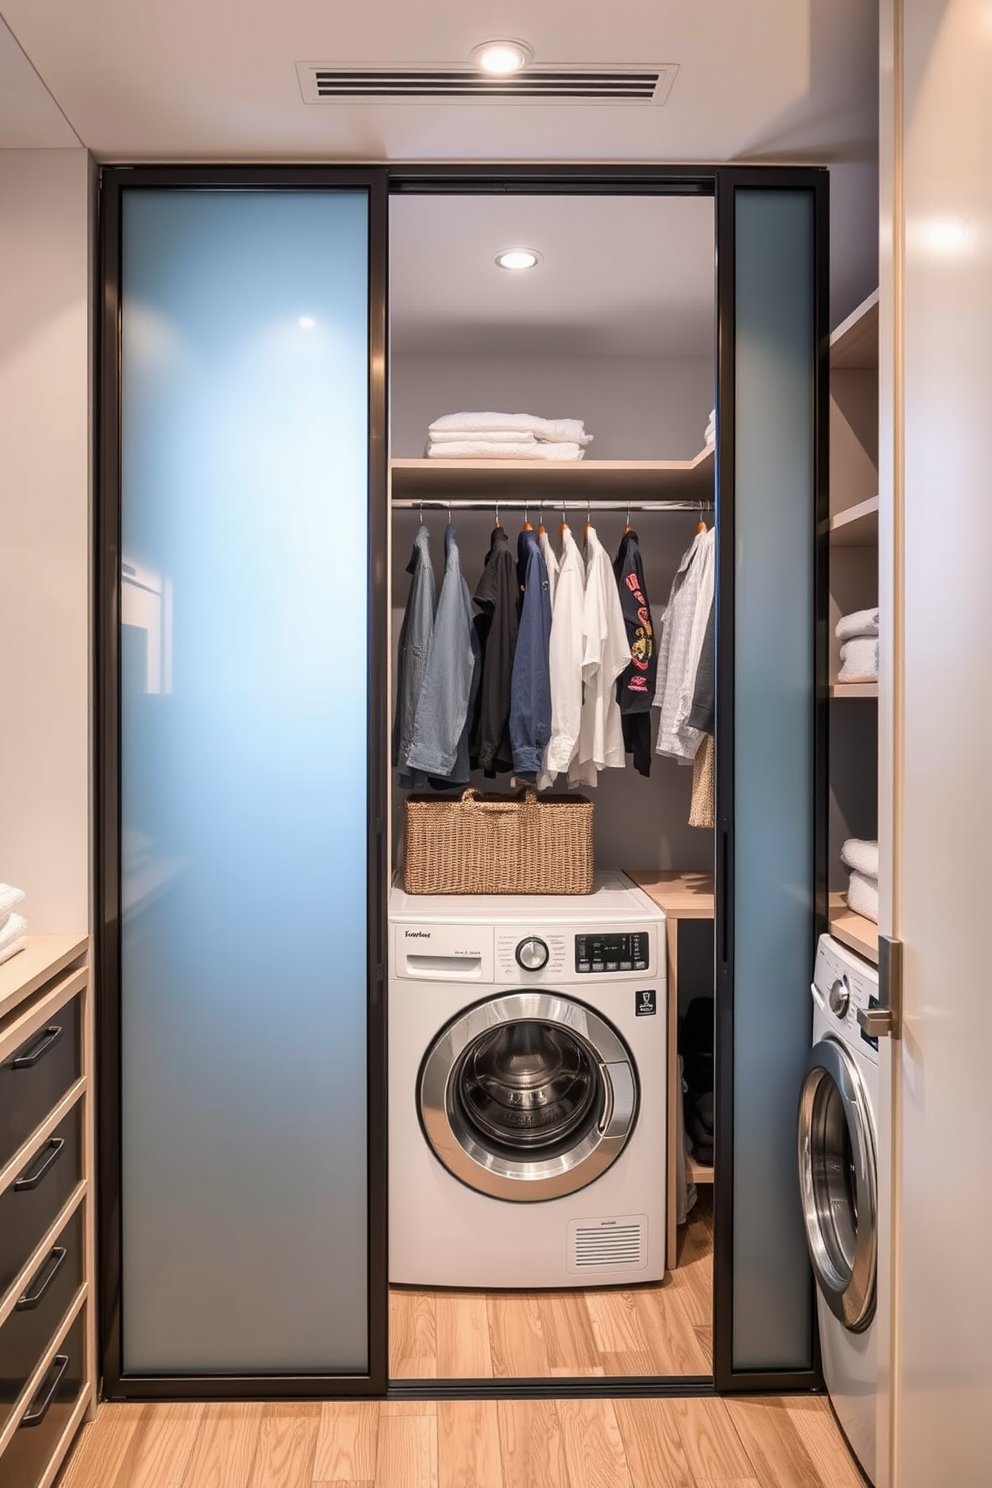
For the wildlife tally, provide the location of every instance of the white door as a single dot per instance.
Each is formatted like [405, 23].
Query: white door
[935, 1275]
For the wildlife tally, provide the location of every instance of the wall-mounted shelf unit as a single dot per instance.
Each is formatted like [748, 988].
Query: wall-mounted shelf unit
[852, 929]
[854, 344]
[687, 480]
[854, 689]
[855, 526]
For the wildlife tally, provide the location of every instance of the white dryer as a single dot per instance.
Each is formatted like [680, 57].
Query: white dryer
[527, 1089]
[838, 1182]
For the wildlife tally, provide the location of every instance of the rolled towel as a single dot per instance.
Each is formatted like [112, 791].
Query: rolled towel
[859, 660]
[861, 623]
[862, 896]
[862, 855]
[12, 935]
[482, 450]
[557, 431]
[9, 898]
[496, 436]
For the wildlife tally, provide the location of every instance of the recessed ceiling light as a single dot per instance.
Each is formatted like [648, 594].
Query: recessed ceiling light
[518, 258]
[502, 57]
[307, 322]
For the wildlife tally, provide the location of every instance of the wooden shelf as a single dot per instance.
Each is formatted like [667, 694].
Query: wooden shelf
[855, 341]
[685, 895]
[852, 929]
[42, 957]
[689, 480]
[856, 527]
[698, 1172]
[854, 689]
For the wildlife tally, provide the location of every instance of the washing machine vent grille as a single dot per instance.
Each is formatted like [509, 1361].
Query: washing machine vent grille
[599, 1244]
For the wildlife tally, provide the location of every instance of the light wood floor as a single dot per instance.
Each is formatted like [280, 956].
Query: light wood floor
[662, 1329]
[746, 1443]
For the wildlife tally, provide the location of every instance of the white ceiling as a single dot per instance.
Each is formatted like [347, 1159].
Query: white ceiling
[216, 80]
[625, 276]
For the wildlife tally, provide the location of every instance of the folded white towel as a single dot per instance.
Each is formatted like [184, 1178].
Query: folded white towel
[862, 855]
[498, 436]
[862, 896]
[558, 431]
[481, 449]
[861, 623]
[859, 660]
[13, 929]
[9, 897]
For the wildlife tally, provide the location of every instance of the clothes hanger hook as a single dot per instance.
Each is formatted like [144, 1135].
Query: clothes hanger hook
[421, 509]
[496, 523]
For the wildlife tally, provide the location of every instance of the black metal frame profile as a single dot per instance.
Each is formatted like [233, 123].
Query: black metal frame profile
[626, 180]
[729, 180]
[107, 756]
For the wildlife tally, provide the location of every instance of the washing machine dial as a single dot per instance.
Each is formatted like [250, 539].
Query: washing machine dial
[839, 997]
[532, 954]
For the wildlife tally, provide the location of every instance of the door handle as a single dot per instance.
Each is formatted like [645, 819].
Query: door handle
[883, 1020]
[35, 1417]
[30, 1300]
[49, 1039]
[49, 1153]
[876, 1022]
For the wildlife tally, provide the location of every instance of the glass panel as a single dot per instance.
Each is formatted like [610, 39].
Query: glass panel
[774, 779]
[244, 749]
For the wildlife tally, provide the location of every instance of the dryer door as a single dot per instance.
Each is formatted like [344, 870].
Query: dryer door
[837, 1178]
[528, 1096]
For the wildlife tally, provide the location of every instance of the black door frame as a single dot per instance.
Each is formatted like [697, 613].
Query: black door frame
[719, 182]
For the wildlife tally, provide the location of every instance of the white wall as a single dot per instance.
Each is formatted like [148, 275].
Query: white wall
[636, 408]
[44, 540]
[935, 726]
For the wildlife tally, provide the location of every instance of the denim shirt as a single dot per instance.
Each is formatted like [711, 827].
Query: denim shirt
[530, 685]
[439, 745]
[415, 640]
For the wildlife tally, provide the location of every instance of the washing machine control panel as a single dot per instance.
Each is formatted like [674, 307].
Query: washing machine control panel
[602, 954]
[523, 954]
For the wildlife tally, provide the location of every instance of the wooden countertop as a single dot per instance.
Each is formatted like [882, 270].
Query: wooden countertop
[682, 894]
[42, 957]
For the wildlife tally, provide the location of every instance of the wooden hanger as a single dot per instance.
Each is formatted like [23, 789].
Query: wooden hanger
[563, 527]
[701, 524]
[526, 525]
[496, 523]
[541, 529]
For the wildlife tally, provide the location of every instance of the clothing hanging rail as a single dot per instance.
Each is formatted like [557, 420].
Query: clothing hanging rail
[551, 505]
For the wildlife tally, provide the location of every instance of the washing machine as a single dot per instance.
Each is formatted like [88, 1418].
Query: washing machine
[838, 1183]
[527, 1089]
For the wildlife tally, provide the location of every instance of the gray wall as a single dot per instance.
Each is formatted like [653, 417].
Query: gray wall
[637, 408]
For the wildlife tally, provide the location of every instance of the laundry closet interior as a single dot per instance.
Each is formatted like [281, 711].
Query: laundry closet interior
[614, 328]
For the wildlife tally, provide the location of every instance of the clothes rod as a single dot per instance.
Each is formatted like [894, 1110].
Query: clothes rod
[490, 504]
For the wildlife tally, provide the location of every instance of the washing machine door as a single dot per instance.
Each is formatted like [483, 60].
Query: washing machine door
[837, 1177]
[528, 1096]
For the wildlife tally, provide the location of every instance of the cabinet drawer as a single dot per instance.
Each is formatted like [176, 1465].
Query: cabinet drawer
[41, 1306]
[46, 1416]
[35, 1076]
[33, 1200]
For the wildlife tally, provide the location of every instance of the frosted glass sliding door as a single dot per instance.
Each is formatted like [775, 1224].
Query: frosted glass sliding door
[244, 753]
[774, 775]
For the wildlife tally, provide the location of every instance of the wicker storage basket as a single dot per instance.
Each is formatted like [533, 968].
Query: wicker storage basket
[496, 844]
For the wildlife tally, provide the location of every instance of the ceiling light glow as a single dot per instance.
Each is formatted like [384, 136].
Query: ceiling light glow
[502, 58]
[307, 322]
[518, 258]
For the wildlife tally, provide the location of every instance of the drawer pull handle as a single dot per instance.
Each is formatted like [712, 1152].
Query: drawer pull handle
[35, 1417]
[53, 1148]
[30, 1300]
[49, 1038]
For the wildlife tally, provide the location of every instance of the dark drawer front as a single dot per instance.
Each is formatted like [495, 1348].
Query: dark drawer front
[37, 1075]
[46, 1416]
[32, 1202]
[40, 1308]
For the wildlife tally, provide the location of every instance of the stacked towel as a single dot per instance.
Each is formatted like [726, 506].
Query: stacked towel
[12, 926]
[710, 436]
[506, 436]
[858, 634]
[862, 890]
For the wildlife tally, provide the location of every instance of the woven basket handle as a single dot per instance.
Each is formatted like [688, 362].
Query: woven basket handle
[472, 797]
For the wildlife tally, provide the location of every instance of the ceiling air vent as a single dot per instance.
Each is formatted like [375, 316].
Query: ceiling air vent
[326, 83]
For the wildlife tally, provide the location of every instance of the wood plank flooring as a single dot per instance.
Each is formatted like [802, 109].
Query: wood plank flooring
[659, 1329]
[750, 1442]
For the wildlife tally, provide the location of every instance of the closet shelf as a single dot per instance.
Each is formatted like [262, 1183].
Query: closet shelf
[690, 480]
[854, 689]
[685, 895]
[855, 527]
[698, 1172]
[852, 929]
[41, 959]
[855, 341]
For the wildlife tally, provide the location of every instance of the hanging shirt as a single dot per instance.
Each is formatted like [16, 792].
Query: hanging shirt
[497, 600]
[415, 640]
[565, 661]
[440, 733]
[605, 653]
[550, 563]
[530, 684]
[681, 644]
[635, 689]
